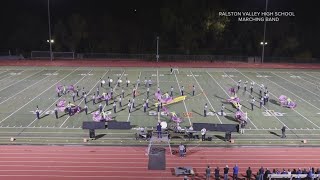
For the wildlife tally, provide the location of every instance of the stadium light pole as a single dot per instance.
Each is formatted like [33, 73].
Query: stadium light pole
[49, 22]
[264, 32]
[157, 56]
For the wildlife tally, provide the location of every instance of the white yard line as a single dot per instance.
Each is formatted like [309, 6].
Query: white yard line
[262, 105]
[229, 96]
[25, 89]
[20, 80]
[297, 85]
[34, 97]
[291, 93]
[55, 102]
[83, 98]
[206, 97]
[311, 75]
[185, 107]
[304, 80]
[136, 91]
[8, 74]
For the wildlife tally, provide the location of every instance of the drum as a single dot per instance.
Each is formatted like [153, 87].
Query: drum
[164, 125]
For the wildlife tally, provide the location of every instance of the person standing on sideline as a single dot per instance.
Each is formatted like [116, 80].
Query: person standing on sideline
[251, 88]
[86, 109]
[171, 91]
[205, 110]
[148, 92]
[181, 150]
[283, 131]
[242, 125]
[235, 172]
[261, 173]
[56, 111]
[264, 99]
[208, 173]
[252, 103]
[225, 172]
[114, 107]
[217, 173]
[182, 89]
[193, 90]
[222, 110]
[159, 130]
[203, 134]
[249, 173]
[261, 102]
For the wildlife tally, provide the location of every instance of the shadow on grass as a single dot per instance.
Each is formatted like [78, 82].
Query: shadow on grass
[231, 118]
[274, 102]
[99, 136]
[271, 132]
[220, 137]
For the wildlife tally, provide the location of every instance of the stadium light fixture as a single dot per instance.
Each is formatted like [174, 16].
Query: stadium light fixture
[51, 41]
[265, 43]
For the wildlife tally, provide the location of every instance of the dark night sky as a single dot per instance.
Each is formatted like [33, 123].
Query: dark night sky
[13, 13]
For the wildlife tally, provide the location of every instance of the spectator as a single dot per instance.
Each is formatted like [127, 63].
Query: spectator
[261, 173]
[289, 172]
[225, 172]
[267, 173]
[217, 173]
[310, 175]
[181, 150]
[159, 130]
[203, 134]
[283, 131]
[294, 171]
[185, 178]
[318, 171]
[235, 172]
[249, 173]
[284, 171]
[299, 172]
[274, 171]
[208, 172]
[304, 171]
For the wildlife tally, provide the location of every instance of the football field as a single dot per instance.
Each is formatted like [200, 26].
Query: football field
[22, 89]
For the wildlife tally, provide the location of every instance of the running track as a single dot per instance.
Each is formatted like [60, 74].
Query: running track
[97, 163]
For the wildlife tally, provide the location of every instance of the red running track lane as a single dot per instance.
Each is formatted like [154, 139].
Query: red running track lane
[97, 163]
